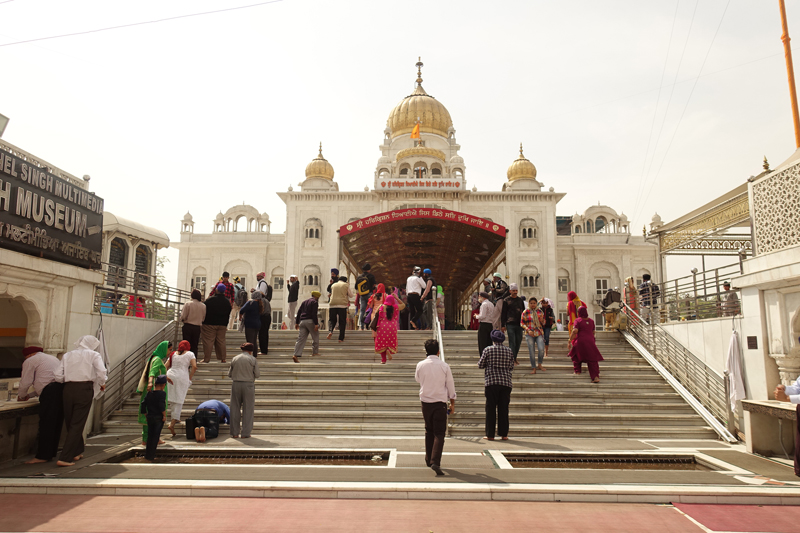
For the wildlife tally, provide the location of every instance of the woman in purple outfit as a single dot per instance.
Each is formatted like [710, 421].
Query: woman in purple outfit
[584, 349]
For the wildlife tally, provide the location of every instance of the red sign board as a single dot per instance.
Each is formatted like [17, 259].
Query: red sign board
[420, 213]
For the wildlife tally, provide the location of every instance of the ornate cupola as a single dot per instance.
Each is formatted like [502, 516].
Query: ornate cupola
[319, 167]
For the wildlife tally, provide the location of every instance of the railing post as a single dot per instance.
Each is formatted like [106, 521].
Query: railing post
[716, 289]
[694, 292]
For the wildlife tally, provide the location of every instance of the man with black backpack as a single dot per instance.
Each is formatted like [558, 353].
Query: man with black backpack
[428, 297]
[239, 299]
[365, 284]
[649, 293]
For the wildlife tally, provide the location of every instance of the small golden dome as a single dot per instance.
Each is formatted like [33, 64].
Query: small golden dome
[433, 116]
[521, 168]
[319, 167]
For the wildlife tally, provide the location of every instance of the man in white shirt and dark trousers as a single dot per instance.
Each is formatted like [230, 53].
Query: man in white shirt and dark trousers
[38, 371]
[414, 287]
[84, 375]
[436, 388]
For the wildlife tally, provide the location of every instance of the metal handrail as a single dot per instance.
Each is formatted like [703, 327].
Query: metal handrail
[700, 385]
[121, 291]
[699, 295]
[437, 334]
[125, 375]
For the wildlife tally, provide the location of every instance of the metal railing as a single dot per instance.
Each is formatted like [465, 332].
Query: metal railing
[437, 334]
[700, 295]
[125, 375]
[129, 293]
[700, 385]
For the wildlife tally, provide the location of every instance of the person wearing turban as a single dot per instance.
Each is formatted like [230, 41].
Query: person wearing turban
[180, 369]
[84, 374]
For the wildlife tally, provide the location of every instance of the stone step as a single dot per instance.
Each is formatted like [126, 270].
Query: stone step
[471, 430]
[473, 404]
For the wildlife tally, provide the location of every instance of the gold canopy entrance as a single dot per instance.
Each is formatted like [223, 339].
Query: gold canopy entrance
[455, 246]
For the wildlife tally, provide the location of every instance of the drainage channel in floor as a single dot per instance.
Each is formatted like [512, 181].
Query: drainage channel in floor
[373, 458]
[590, 461]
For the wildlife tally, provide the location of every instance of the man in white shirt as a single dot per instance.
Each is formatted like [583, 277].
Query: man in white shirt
[436, 388]
[485, 316]
[792, 394]
[38, 371]
[414, 287]
[263, 286]
[84, 376]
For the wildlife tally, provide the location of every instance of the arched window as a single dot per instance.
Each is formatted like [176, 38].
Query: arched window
[117, 261]
[313, 232]
[577, 229]
[601, 225]
[528, 231]
[143, 267]
[589, 226]
[420, 170]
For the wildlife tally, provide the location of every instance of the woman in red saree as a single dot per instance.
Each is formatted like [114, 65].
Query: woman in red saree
[584, 348]
[384, 328]
[574, 304]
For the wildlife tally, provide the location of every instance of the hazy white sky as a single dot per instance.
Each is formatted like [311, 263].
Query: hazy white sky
[201, 113]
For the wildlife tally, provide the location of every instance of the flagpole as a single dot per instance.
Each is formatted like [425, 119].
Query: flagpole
[790, 72]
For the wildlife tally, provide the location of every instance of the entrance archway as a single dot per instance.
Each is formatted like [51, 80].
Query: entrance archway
[13, 333]
[455, 246]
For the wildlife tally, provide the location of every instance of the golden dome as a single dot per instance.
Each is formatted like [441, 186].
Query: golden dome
[521, 168]
[433, 116]
[319, 167]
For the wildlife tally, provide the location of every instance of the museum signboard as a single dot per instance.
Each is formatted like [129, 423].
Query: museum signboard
[47, 216]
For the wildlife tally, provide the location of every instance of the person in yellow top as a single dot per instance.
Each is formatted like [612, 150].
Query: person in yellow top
[574, 304]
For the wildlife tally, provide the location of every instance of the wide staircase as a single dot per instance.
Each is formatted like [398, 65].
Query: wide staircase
[347, 391]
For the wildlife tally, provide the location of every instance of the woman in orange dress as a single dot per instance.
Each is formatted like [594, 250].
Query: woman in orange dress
[574, 304]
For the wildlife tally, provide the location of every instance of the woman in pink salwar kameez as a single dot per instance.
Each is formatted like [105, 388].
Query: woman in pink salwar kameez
[584, 348]
[384, 328]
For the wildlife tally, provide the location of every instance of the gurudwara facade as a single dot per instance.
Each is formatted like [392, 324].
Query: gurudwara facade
[420, 182]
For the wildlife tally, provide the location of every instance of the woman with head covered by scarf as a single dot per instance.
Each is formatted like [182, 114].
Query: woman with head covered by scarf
[574, 303]
[83, 374]
[180, 369]
[384, 328]
[155, 367]
[584, 348]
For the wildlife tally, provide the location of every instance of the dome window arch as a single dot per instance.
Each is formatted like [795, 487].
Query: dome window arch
[313, 232]
[529, 277]
[405, 169]
[384, 174]
[436, 169]
[420, 170]
[528, 231]
[117, 262]
[578, 229]
[458, 173]
[311, 275]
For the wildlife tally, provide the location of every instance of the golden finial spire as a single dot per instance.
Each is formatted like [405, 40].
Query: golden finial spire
[320, 150]
[765, 166]
[419, 71]
[520, 152]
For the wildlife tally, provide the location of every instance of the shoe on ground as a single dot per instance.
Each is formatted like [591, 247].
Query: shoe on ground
[438, 470]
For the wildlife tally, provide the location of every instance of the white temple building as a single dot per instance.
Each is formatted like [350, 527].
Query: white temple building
[423, 178]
